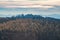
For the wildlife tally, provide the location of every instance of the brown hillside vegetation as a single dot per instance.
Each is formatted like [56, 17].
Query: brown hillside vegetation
[29, 29]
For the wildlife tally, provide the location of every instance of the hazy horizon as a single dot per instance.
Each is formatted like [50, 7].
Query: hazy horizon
[35, 7]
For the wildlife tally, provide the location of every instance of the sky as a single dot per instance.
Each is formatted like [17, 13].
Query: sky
[38, 7]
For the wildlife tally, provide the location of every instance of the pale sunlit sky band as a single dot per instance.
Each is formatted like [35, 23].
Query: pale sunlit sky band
[43, 7]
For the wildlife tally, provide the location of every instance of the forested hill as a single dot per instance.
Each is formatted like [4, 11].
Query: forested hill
[29, 27]
[28, 16]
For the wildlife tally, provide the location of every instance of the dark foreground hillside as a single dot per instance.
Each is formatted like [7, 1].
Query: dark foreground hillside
[30, 29]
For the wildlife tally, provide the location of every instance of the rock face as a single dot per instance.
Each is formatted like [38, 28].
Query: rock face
[29, 29]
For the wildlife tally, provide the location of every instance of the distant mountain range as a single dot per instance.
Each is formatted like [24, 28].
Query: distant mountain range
[54, 16]
[57, 16]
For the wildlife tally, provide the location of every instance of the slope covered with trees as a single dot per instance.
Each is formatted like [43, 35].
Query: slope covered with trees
[29, 27]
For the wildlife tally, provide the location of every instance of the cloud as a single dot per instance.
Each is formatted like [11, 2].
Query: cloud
[45, 7]
[35, 6]
[30, 4]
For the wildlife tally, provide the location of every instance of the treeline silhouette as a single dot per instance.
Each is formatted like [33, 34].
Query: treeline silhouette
[22, 16]
[28, 16]
[29, 27]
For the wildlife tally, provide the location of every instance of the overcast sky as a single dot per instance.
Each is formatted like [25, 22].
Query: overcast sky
[41, 7]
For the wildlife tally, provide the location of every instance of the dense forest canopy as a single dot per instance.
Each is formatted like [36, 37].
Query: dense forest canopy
[29, 27]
